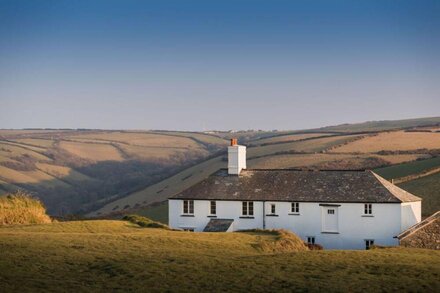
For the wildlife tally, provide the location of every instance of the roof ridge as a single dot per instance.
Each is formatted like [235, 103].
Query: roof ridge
[396, 191]
[306, 169]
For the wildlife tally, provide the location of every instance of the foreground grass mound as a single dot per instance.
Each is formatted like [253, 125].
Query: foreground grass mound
[21, 208]
[118, 256]
[283, 241]
[144, 222]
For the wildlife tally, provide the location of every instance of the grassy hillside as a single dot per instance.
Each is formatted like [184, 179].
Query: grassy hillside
[20, 208]
[427, 188]
[409, 168]
[120, 256]
[76, 171]
[98, 172]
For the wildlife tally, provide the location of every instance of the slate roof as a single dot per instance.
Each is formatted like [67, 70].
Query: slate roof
[298, 185]
[218, 225]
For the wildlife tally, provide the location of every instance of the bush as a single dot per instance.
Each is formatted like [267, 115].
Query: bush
[22, 208]
[144, 222]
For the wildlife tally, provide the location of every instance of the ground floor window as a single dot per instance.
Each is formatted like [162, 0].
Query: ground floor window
[213, 208]
[188, 229]
[248, 208]
[311, 240]
[369, 243]
[188, 207]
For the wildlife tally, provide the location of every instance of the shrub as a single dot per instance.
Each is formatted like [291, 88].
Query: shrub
[144, 222]
[22, 208]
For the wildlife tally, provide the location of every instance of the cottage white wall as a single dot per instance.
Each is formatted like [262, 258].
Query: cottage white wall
[353, 227]
[411, 214]
[225, 210]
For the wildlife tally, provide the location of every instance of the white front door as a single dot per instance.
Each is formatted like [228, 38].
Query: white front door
[330, 219]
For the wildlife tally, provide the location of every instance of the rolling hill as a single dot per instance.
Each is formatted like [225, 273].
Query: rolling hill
[98, 173]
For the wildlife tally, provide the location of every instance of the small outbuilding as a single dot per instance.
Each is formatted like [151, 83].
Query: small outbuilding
[425, 234]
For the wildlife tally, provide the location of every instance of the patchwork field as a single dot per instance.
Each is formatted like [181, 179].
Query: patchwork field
[290, 137]
[392, 141]
[119, 256]
[84, 168]
[92, 152]
[100, 172]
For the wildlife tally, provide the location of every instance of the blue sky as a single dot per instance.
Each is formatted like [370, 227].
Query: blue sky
[198, 65]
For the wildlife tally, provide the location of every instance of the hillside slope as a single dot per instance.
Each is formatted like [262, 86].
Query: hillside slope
[119, 256]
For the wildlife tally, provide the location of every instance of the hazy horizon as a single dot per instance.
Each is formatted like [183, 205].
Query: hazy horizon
[204, 65]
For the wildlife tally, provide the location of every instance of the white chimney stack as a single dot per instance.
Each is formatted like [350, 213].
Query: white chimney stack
[236, 157]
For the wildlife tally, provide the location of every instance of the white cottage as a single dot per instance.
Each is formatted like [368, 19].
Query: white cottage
[337, 209]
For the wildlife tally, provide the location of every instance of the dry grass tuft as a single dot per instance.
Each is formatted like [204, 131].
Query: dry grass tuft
[21, 208]
[283, 241]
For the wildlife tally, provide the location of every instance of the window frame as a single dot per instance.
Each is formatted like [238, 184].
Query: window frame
[273, 209]
[368, 209]
[213, 207]
[294, 207]
[311, 240]
[188, 207]
[247, 208]
[331, 211]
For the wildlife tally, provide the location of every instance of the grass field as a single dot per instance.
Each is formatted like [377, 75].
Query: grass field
[428, 188]
[92, 152]
[391, 141]
[383, 125]
[409, 168]
[120, 256]
[138, 168]
[290, 137]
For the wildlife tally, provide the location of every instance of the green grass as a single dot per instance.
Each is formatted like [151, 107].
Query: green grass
[428, 188]
[120, 256]
[144, 222]
[410, 168]
[156, 212]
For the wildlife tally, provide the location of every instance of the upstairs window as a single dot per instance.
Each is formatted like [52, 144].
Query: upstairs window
[188, 207]
[369, 243]
[368, 209]
[213, 208]
[295, 207]
[248, 208]
[272, 209]
[310, 240]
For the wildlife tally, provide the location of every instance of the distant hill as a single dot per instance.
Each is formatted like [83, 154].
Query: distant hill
[382, 125]
[101, 172]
